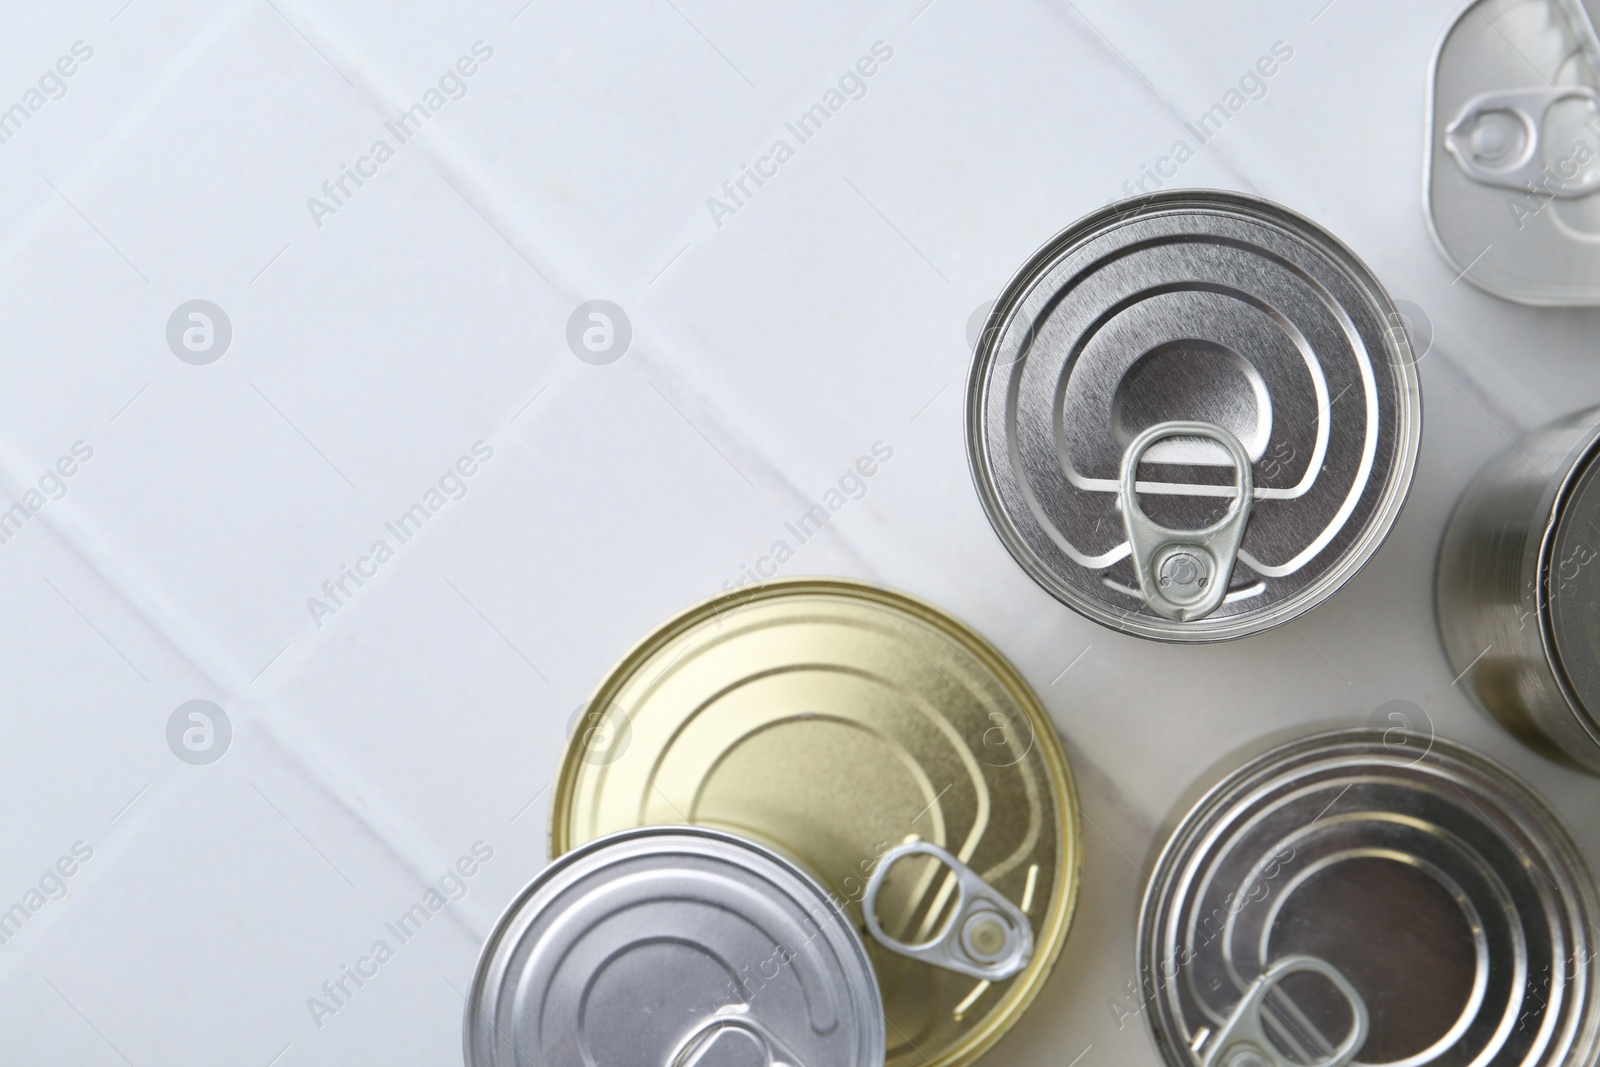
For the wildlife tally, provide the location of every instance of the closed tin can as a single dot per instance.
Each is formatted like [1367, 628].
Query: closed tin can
[1517, 593]
[885, 748]
[1193, 416]
[673, 947]
[1511, 174]
[1439, 909]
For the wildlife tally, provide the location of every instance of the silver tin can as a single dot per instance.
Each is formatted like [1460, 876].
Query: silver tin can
[672, 947]
[1441, 889]
[1517, 593]
[1193, 416]
[1511, 172]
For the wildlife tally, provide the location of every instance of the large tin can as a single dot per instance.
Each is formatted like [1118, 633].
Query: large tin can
[1444, 914]
[883, 746]
[1193, 416]
[1518, 598]
[673, 947]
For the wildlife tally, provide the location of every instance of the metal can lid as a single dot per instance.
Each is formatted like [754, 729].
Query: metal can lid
[1510, 169]
[1572, 589]
[1237, 347]
[886, 748]
[1438, 886]
[672, 947]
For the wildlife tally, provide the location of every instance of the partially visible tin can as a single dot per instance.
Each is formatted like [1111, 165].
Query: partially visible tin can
[1450, 915]
[883, 746]
[673, 947]
[1511, 172]
[1518, 598]
[1239, 348]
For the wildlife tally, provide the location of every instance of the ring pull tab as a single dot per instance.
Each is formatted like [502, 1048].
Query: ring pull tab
[725, 1038]
[1184, 574]
[1243, 1041]
[1496, 140]
[987, 936]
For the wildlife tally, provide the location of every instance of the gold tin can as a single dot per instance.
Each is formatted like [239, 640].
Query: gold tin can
[885, 747]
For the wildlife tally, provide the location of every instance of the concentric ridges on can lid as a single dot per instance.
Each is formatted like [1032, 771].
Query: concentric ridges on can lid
[835, 722]
[652, 947]
[1346, 845]
[1194, 307]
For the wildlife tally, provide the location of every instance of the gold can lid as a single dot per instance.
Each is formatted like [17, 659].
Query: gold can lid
[841, 725]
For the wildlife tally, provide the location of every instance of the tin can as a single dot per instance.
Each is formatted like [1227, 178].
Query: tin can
[1440, 889]
[1511, 179]
[1234, 345]
[673, 947]
[888, 750]
[1517, 595]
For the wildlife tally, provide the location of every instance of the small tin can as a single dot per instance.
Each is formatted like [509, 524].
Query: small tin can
[1517, 593]
[673, 947]
[1374, 896]
[1193, 416]
[884, 747]
[1511, 174]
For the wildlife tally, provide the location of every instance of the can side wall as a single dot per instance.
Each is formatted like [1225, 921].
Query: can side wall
[1489, 597]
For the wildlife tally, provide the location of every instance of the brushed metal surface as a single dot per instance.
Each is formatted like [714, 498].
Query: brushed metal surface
[833, 721]
[1440, 886]
[1203, 307]
[1518, 602]
[668, 948]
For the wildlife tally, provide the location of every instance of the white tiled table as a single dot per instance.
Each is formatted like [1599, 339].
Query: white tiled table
[772, 345]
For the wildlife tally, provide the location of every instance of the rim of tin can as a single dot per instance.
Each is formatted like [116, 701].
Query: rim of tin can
[1053, 927]
[474, 1008]
[1583, 694]
[1407, 416]
[1576, 897]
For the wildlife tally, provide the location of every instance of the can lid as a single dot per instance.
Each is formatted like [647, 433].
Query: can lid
[1193, 416]
[1571, 569]
[887, 749]
[1508, 107]
[673, 947]
[1442, 890]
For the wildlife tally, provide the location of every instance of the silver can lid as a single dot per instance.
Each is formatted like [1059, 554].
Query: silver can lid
[1511, 181]
[673, 947]
[1193, 416]
[1438, 886]
[1571, 567]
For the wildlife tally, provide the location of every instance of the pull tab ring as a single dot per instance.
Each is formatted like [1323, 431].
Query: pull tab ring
[699, 1042]
[1184, 574]
[1496, 140]
[1243, 1042]
[988, 937]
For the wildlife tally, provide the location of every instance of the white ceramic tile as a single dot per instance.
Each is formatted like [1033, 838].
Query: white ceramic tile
[602, 126]
[449, 682]
[372, 351]
[215, 916]
[375, 741]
